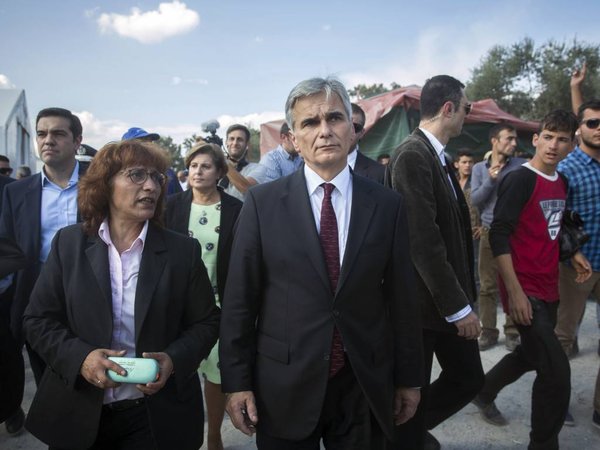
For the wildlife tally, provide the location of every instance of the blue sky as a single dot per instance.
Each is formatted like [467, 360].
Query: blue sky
[169, 66]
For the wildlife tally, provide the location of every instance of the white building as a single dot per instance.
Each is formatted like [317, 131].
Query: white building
[15, 129]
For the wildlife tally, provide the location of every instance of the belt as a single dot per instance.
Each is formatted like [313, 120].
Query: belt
[124, 405]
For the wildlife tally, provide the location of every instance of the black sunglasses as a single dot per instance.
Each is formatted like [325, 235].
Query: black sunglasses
[592, 124]
[6, 170]
[358, 127]
[468, 107]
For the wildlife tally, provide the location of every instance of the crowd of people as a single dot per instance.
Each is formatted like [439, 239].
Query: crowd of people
[310, 290]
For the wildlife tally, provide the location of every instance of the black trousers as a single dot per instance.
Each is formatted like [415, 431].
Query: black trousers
[346, 422]
[460, 380]
[540, 350]
[123, 430]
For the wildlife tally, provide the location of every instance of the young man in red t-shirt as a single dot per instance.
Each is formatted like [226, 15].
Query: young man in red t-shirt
[524, 240]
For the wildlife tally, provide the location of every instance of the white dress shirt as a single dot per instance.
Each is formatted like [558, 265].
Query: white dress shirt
[341, 199]
[124, 271]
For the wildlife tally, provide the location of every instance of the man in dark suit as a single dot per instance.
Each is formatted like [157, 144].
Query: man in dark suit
[321, 332]
[4, 180]
[442, 254]
[361, 164]
[11, 359]
[36, 207]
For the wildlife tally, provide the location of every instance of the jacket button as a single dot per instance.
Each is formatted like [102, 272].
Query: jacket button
[336, 313]
[326, 357]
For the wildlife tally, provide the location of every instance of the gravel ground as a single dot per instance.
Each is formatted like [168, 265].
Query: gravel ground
[465, 430]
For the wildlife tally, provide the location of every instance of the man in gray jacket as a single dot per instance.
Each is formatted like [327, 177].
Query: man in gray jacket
[485, 180]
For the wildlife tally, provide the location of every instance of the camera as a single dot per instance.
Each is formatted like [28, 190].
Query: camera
[211, 127]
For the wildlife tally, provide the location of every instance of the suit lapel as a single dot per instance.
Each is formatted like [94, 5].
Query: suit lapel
[181, 213]
[363, 208]
[97, 255]
[33, 200]
[298, 205]
[454, 195]
[151, 269]
[227, 220]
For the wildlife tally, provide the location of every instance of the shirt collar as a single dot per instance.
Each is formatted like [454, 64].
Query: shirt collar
[72, 180]
[341, 181]
[587, 159]
[352, 157]
[104, 234]
[285, 153]
[437, 145]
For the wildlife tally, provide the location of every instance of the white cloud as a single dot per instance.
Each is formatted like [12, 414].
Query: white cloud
[5, 83]
[429, 54]
[259, 39]
[326, 27]
[253, 120]
[177, 80]
[151, 27]
[97, 131]
[89, 13]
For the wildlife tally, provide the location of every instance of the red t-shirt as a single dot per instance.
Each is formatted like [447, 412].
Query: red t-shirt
[527, 221]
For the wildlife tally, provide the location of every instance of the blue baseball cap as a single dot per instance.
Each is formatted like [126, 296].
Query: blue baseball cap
[140, 133]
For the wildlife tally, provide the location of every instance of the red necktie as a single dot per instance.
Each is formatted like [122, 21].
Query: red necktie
[331, 249]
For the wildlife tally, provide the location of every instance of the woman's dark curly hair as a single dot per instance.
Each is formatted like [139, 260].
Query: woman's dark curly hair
[96, 186]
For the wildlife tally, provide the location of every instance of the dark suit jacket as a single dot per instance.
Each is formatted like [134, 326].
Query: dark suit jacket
[20, 222]
[11, 360]
[177, 217]
[366, 167]
[3, 182]
[70, 314]
[280, 311]
[440, 231]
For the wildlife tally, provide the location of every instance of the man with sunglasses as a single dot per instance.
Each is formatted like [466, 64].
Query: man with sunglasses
[359, 163]
[582, 169]
[5, 169]
[33, 210]
[442, 254]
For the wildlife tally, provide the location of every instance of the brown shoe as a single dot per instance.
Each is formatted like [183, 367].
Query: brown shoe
[487, 341]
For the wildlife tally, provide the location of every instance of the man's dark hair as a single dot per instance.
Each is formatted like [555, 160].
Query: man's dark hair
[285, 129]
[74, 122]
[560, 120]
[593, 104]
[237, 126]
[358, 110]
[437, 91]
[464, 152]
[498, 128]
[4, 159]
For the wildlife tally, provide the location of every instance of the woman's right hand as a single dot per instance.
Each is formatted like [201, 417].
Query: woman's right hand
[95, 365]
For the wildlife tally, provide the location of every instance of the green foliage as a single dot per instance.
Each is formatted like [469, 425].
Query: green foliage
[362, 91]
[528, 82]
[254, 145]
[174, 151]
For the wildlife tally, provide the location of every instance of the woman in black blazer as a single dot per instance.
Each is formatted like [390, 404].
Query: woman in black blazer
[208, 214]
[119, 284]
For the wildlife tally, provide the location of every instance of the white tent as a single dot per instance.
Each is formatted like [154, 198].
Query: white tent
[15, 129]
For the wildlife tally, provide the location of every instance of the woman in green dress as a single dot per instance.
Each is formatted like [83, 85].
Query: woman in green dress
[208, 214]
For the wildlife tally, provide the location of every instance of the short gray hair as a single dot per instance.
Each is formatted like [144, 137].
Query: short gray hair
[314, 86]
